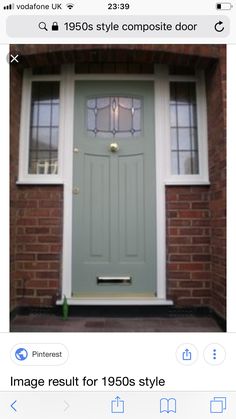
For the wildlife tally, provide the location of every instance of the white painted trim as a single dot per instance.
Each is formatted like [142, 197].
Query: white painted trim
[202, 126]
[162, 158]
[69, 93]
[57, 181]
[116, 302]
[24, 124]
[24, 177]
[161, 124]
[187, 182]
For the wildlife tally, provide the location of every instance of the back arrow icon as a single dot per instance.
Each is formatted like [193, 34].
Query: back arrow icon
[13, 407]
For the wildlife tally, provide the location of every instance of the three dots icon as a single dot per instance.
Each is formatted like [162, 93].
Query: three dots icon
[214, 354]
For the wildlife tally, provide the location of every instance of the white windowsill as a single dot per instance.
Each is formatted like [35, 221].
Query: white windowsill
[116, 302]
[30, 181]
[187, 182]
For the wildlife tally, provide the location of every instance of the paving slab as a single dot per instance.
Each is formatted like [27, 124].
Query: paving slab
[52, 323]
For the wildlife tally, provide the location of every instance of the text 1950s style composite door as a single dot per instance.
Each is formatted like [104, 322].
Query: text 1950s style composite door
[114, 210]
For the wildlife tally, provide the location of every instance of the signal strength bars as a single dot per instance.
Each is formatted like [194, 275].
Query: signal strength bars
[8, 7]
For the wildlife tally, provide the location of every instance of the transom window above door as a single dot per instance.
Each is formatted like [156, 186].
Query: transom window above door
[114, 116]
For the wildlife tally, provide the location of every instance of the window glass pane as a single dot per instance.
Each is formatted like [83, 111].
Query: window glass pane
[136, 103]
[44, 128]
[137, 119]
[125, 120]
[114, 116]
[183, 93]
[90, 119]
[173, 116]
[103, 119]
[193, 115]
[44, 115]
[125, 102]
[183, 116]
[195, 167]
[54, 139]
[174, 141]
[33, 139]
[185, 164]
[183, 126]
[43, 138]
[55, 115]
[194, 138]
[174, 163]
[103, 102]
[184, 138]
[91, 103]
[34, 114]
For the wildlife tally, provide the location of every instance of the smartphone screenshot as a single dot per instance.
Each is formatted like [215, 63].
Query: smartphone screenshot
[118, 200]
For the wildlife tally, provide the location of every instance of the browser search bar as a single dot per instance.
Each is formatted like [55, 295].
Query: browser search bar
[118, 26]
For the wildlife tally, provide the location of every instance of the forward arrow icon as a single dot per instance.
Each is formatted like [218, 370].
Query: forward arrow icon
[66, 406]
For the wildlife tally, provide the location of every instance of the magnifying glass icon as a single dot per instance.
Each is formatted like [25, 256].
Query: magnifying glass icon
[42, 25]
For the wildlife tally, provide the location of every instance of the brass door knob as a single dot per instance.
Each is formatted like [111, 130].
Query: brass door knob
[114, 147]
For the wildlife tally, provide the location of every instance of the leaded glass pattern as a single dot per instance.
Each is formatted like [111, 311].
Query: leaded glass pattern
[114, 116]
[44, 128]
[183, 126]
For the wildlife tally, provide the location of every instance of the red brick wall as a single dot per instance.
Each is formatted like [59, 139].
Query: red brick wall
[16, 81]
[94, 53]
[38, 243]
[188, 245]
[216, 101]
[196, 222]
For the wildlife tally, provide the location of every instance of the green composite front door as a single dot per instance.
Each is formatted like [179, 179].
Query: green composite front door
[114, 211]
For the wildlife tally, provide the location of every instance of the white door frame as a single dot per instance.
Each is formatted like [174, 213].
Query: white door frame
[160, 92]
[161, 79]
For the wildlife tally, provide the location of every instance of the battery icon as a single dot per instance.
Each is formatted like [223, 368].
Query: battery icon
[224, 6]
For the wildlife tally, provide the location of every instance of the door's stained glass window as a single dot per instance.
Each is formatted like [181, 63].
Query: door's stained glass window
[183, 125]
[114, 116]
[44, 128]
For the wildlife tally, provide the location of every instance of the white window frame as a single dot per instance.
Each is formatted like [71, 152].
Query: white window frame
[161, 81]
[202, 178]
[24, 177]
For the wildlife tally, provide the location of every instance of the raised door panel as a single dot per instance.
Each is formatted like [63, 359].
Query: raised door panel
[131, 209]
[96, 228]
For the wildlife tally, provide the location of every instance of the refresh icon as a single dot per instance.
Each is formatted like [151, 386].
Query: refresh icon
[219, 26]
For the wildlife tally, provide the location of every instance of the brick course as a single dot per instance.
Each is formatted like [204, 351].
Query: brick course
[195, 214]
[15, 98]
[188, 245]
[38, 244]
[216, 101]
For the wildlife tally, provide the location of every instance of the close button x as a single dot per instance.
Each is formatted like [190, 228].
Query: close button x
[14, 58]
